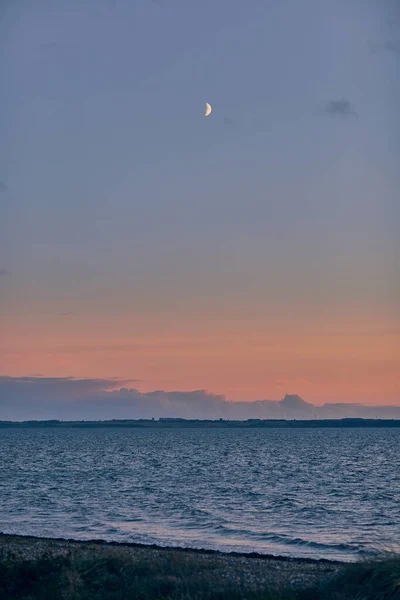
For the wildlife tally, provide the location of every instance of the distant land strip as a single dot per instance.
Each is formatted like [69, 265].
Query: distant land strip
[168, 423]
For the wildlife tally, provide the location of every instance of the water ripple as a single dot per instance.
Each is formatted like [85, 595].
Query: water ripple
[316, 493]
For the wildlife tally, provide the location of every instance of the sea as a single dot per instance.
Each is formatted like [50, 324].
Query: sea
[315, 493]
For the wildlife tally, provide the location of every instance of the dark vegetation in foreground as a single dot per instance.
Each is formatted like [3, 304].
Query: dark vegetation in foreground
[104, 573]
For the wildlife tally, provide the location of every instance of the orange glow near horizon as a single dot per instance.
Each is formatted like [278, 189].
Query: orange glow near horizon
[240, 360]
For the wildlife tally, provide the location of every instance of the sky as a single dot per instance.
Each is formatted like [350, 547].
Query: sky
[251, 253]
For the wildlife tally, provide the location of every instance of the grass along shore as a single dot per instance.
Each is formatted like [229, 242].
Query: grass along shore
[53, 569]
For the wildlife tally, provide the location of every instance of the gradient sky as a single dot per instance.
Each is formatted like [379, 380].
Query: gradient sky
[251, 253]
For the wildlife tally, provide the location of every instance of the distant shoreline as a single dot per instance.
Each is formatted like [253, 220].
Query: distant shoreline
[168, 423]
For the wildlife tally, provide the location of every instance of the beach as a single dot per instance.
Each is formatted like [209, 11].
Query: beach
[37, 568]
[213, 572]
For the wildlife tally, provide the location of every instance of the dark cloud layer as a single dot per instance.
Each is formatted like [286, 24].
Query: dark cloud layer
[26, 398]
[3, 187]
[4, 272]
[340, 107]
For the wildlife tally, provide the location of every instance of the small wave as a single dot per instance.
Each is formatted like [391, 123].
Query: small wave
[238, 533]
[341, 547]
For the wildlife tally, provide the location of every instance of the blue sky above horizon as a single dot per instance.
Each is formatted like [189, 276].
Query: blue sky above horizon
[129, 218]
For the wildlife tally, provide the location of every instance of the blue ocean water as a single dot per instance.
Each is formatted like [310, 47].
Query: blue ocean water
[321, 493]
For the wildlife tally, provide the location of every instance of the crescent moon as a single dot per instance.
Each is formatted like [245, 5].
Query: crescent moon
[208, 110]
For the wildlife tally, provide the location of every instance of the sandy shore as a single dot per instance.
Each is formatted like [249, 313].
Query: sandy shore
[252, 571]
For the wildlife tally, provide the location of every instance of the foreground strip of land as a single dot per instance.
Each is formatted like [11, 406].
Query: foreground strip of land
[167, 423]
[42, 568]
